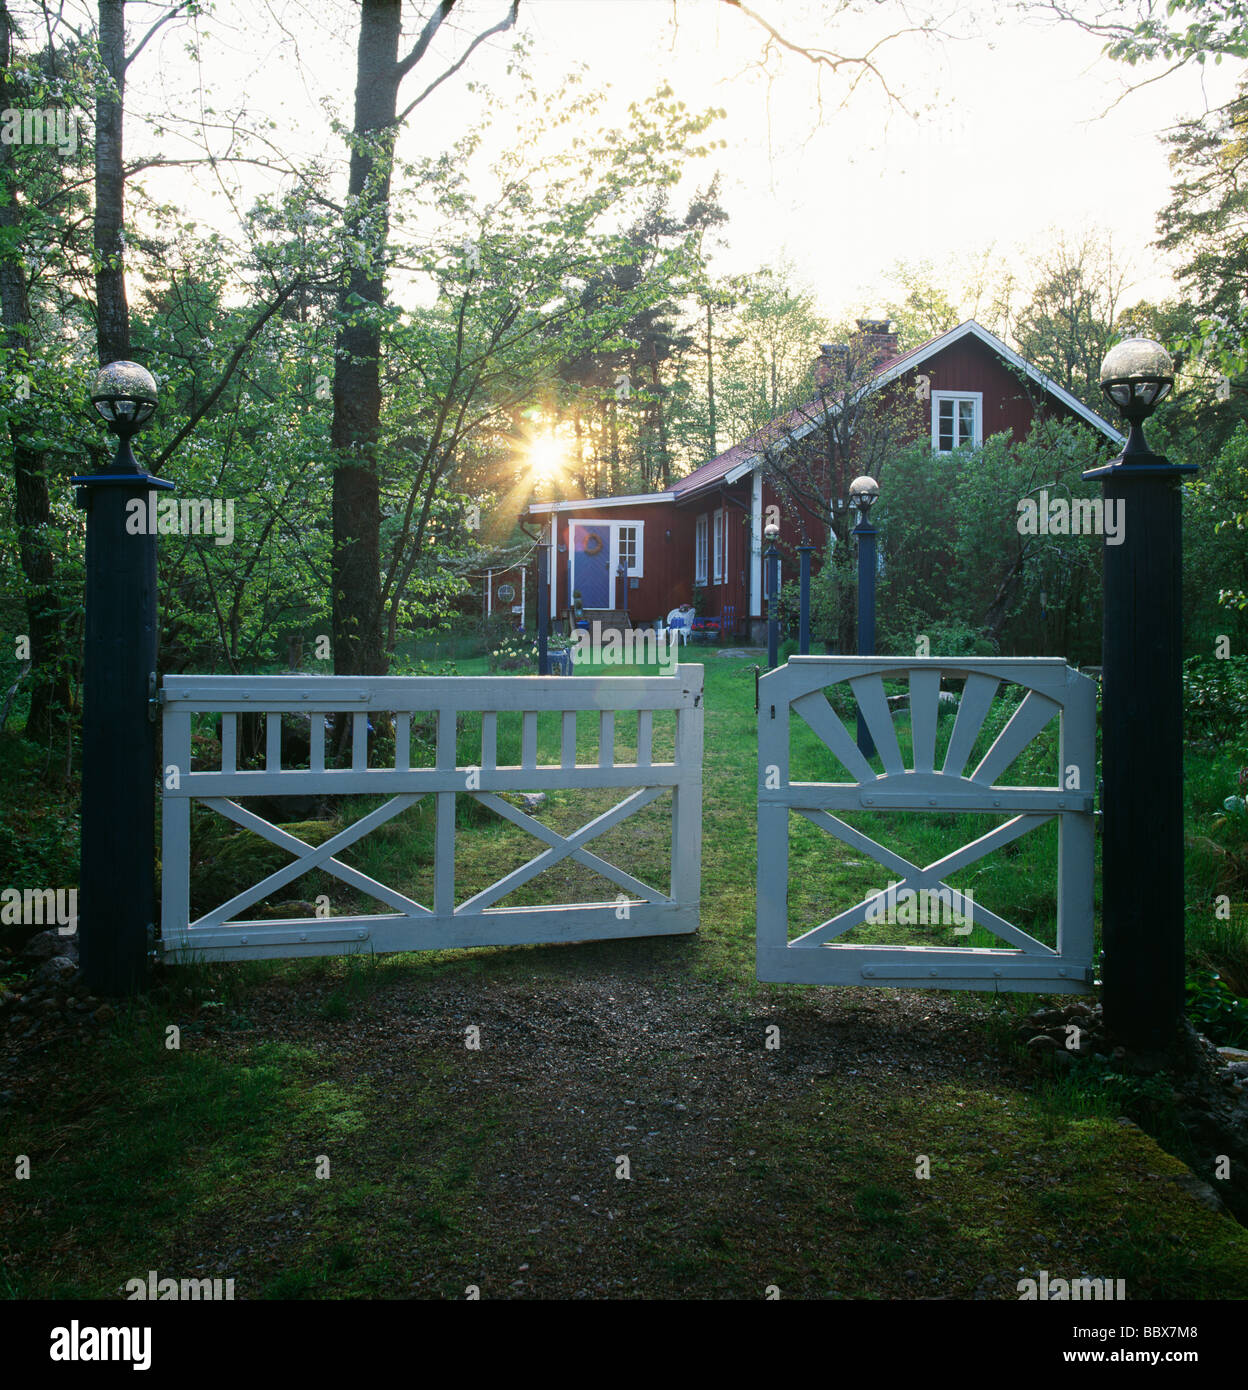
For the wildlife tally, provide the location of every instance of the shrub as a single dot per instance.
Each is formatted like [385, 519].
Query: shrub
[1215, 696]
[1216, 1011]
[956, 638]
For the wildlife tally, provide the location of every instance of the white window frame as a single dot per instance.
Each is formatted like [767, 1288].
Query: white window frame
[719, 547]
[977, 431]
[700, 549]
[636, 571]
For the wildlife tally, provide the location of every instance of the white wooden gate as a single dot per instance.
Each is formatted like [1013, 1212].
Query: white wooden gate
[639, 910]
[1053, 689]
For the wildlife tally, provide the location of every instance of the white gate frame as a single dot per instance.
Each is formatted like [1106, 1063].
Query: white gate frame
[1052, 688]
[646, 911]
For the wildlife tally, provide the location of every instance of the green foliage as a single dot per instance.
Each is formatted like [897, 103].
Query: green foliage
[1214, 28]
[515, 652]
[922, 308]
[956, 638]
[518, 651]
[958, 571]
[1149, 1100]
[1067, 326]
[766, 351]
[1215, 696]
[834, 599]
[1216, 547]
[1215, 1010]
[240, 336]
[39, 825]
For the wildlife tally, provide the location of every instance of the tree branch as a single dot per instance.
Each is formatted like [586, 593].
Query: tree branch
[236, 357]
[499, 28]
[160, 23]
[432, 25]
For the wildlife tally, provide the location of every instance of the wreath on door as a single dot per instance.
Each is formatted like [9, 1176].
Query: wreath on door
[593, 544]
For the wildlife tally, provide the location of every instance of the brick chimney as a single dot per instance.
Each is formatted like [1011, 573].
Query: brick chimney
[875, 342]
[830, 365]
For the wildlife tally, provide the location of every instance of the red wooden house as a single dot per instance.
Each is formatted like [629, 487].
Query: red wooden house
[648, 553]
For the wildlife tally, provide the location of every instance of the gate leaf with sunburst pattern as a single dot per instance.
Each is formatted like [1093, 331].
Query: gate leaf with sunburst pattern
[1053, 690]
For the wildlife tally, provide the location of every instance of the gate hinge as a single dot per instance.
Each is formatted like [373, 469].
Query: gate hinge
[155, 697]
[773, 711]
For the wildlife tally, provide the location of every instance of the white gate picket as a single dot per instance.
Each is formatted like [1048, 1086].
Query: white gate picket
[639, 910]
[1053, 689]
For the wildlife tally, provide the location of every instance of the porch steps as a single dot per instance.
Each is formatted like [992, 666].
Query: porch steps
[611, 620]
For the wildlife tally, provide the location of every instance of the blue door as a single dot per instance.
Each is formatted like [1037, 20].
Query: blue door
[591, 572]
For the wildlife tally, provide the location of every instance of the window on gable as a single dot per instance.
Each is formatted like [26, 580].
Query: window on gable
[699, 550]
[956, 420]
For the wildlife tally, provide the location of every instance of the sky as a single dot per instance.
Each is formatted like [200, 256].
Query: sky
[1002, 136]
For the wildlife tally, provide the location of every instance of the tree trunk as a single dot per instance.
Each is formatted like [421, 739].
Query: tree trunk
[1007, 591]
[614, 422]
[113, 314]
[50, 687]
[356, 562]
[710, 385]
[660, 425]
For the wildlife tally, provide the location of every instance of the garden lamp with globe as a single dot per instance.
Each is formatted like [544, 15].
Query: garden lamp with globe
[771, 555]
[1142, 961]
[864, 492]
[1136, 376]
[116, 891]
[124, 394]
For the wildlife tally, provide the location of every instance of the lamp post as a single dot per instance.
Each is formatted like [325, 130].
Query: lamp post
[116, 884]
[543, 595]
[772, 556]
[1142, 725]
[803, 628]
[863, 493]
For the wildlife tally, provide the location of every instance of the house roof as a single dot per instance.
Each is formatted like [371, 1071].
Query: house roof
[812, 413]
[743, 458]
[740, 457]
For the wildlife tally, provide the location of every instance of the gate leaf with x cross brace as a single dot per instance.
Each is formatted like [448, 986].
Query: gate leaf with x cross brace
[639, 908]
[1052, 690]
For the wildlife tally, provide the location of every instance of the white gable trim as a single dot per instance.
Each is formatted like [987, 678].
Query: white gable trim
[578, 503]
[918, 355]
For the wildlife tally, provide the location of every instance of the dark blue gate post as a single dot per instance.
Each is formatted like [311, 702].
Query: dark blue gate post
[117, 911]
[863, 493]
[803, 633]
[772, 558]
[1142, 715]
